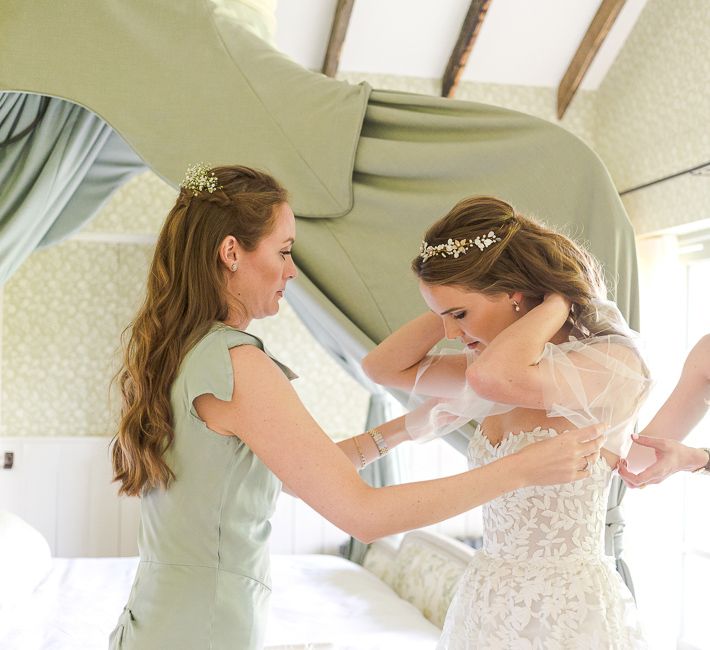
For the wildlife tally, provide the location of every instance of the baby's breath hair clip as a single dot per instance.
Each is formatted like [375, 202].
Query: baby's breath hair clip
[200, 178]
[456, 247]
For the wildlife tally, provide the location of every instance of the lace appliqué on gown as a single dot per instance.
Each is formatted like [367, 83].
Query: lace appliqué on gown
[542, 580]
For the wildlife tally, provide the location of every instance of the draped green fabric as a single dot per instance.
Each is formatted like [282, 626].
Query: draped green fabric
[58, 164]
[417, 156]
[182, 82]
[368, 171]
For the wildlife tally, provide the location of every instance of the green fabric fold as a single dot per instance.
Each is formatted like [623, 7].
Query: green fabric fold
[183, 83]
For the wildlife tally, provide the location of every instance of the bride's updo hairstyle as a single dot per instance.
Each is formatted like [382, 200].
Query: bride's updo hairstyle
[484, 245]
[185, 295]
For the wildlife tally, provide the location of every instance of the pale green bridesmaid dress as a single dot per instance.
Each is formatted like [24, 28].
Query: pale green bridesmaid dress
[203, 579]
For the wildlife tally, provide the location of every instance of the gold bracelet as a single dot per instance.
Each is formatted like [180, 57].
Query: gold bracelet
[379, 441]
[359, 451]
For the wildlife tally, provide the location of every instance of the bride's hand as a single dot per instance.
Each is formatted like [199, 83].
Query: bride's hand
[557, 302]
[563, 458]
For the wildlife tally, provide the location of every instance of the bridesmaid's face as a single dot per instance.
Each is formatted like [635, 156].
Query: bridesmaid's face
[470, 316]
[260, 281]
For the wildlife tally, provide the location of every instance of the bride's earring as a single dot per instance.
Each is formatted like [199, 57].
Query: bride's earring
[235, 266]
[516, 306]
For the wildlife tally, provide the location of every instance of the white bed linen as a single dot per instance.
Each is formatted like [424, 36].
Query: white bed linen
[332, 603]
[319, 602]
[74, 608]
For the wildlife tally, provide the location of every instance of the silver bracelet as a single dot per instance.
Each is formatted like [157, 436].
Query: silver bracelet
[379, 441]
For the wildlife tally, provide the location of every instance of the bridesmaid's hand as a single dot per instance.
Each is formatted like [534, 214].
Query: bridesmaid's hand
[671, 457]
[564, 458]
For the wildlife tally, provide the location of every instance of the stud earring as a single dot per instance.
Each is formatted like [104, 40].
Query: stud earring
[235, 266]
[516, 306]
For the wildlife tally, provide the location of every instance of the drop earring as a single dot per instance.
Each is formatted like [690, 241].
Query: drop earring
[516, 306]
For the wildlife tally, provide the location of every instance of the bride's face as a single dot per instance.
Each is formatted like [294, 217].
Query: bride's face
[472, 317]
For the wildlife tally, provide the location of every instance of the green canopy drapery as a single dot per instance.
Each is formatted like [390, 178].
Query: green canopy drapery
[59, 163]
[367, 170]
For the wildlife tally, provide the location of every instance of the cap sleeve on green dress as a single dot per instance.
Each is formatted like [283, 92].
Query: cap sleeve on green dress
[208, 366]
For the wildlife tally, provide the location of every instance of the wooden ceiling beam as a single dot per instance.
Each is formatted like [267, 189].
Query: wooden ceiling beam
[598, 29]
[469, 32]
[338, 31]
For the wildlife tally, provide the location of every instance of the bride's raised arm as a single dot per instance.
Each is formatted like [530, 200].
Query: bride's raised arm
[404, 354]
[599, 378]
[507, 369]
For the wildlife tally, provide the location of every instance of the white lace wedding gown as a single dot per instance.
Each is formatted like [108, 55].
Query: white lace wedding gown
[542, 580]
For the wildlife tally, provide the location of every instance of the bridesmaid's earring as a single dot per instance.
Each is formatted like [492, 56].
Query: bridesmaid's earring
[516, 306]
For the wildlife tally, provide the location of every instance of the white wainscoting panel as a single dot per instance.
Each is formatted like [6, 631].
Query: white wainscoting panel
[62, 487]
[297, 528]
[435, 459]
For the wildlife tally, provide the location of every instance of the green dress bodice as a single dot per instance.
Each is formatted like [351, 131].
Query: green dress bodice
[203, 579]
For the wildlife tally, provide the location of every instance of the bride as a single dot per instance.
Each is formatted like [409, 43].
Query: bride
[543, 351]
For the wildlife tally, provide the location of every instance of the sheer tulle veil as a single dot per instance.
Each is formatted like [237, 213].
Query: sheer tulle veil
[597, 376]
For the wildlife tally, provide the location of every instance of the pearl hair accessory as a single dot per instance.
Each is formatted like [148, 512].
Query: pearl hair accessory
[457, 247]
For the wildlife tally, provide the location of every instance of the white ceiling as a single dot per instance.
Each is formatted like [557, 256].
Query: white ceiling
[521, 42]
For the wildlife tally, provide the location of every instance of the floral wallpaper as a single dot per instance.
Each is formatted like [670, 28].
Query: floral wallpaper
[64, 309]
[652, 113]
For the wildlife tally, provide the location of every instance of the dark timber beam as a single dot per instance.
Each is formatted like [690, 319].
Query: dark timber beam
[588, 48]
[337, 37]
[469, 32]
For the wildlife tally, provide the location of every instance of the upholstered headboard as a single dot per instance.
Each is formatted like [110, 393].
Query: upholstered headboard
[423, 570]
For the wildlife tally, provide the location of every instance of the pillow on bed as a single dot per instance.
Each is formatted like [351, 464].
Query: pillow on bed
[25, 559]
[427, 572]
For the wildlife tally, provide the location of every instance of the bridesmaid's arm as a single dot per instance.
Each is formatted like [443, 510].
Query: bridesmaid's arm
[361, 450]
[659, 448]
[267, 415]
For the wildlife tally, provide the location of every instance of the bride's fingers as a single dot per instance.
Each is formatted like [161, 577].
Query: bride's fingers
[591, 446]
[588, 433]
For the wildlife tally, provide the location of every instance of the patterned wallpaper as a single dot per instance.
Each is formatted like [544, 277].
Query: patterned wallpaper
[653, 110]
[63, 313]
[648, 119]
[64, 309]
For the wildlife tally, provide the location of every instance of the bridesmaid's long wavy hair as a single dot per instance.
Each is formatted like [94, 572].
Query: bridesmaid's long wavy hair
[530, 258]
[185, 295]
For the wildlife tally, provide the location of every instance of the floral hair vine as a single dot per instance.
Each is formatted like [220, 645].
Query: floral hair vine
[200, 178]
[457, 247]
